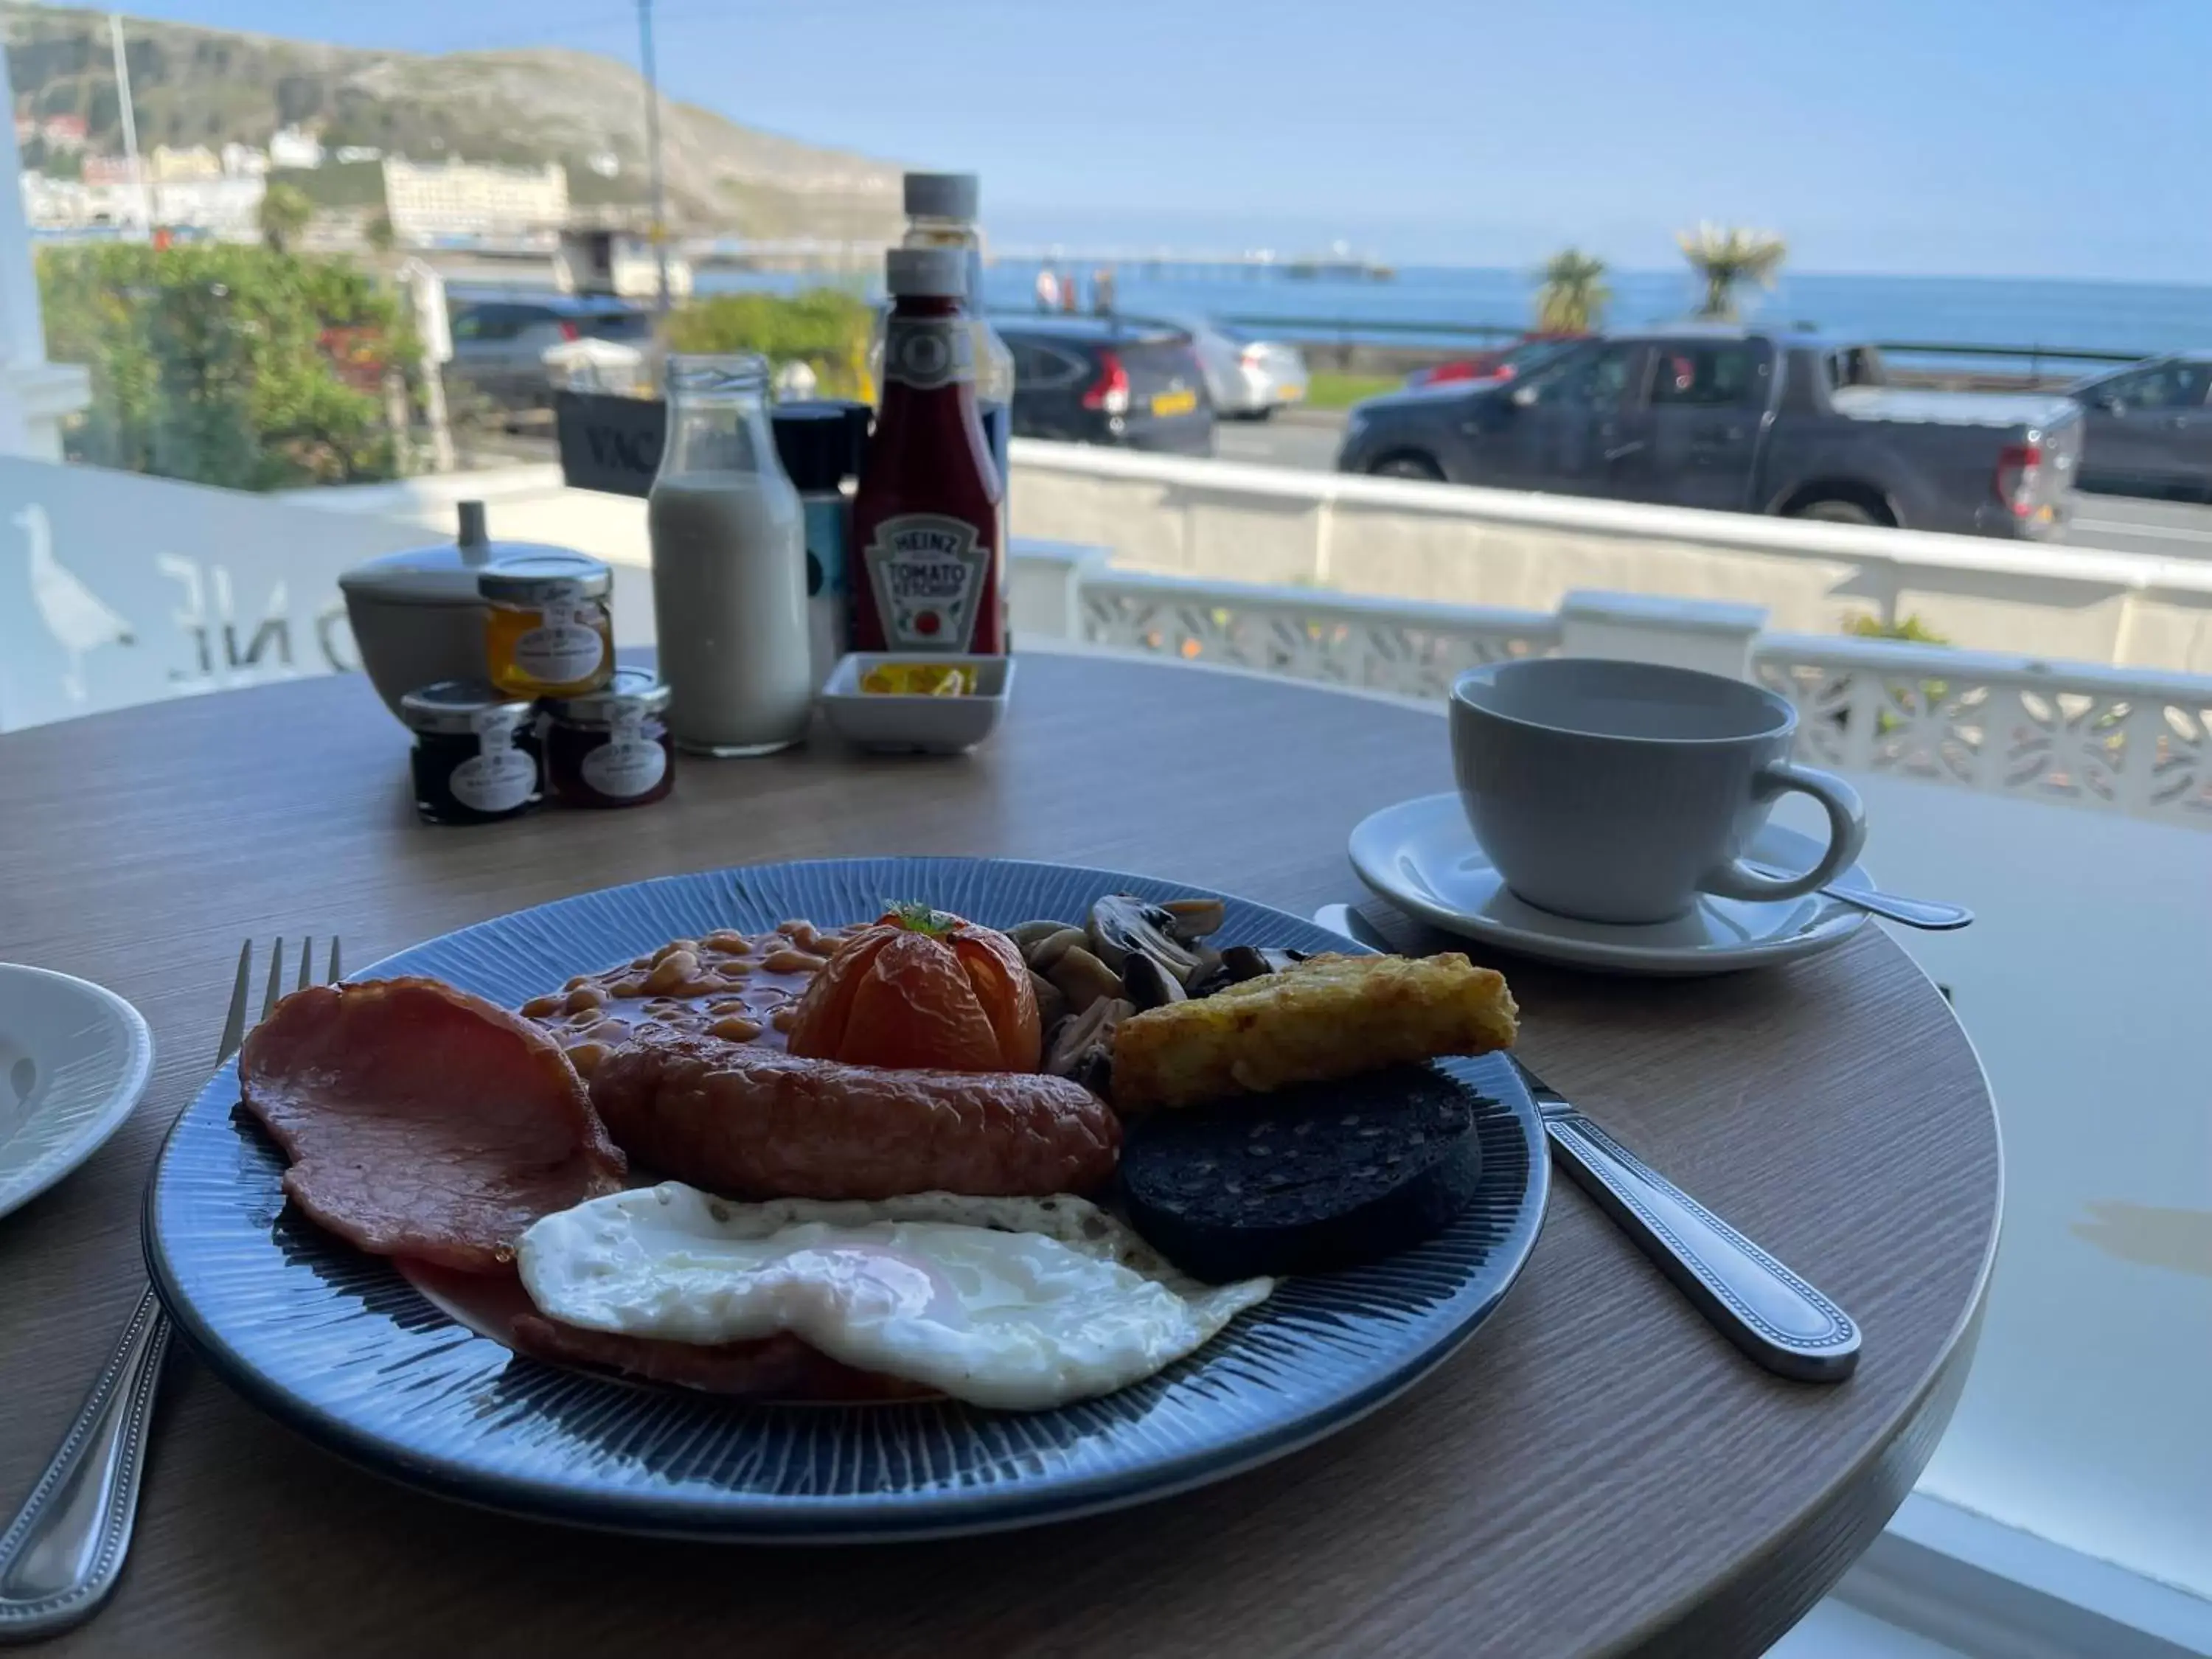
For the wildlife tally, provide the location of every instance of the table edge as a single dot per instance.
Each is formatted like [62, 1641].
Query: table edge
[1843, 1520]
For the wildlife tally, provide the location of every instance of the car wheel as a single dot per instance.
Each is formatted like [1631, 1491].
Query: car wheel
[1408, 467]
[1834, 512]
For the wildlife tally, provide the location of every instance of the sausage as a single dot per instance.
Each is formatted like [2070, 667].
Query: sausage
[754, 1122]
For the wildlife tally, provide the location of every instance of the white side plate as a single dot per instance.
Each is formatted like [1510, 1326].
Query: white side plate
[74, 1059]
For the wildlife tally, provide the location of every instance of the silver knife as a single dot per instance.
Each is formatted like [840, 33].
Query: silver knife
[1766, 1309]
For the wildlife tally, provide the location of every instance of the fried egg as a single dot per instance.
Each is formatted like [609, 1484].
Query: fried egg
[1021, 1304]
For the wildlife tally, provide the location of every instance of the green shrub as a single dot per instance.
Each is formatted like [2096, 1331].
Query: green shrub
[1909, 627]
[239, 367]
[824, 328]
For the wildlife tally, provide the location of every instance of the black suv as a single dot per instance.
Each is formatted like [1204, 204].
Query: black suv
[1108, 380]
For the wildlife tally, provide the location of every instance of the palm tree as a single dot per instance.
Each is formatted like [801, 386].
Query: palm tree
[285, 210]
[1726, 258]
[1572, 296]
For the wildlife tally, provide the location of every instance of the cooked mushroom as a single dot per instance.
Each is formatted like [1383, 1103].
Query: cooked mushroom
[1147, 984]
[1029, 934]
[1083, 1047]
[1083, 979]
[1051, 1002]
[1194, 919]
[1052, 946]
[1208, 981]
[1243, 961]
[1122, 924]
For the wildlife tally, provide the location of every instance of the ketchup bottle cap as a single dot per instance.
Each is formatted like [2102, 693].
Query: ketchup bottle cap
[941, 195]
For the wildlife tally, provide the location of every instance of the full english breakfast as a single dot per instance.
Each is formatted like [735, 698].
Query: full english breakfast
[911, 1156]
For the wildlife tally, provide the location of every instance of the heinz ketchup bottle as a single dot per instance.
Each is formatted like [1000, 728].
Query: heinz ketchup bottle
[933, 571]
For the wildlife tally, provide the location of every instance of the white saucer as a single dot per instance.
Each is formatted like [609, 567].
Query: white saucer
[1421, 856]
[73, 1059]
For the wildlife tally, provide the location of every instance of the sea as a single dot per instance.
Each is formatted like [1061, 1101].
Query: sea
[1444, 305]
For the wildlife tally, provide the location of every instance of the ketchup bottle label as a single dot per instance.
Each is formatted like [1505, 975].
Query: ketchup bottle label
[928, 352]
[928, 572]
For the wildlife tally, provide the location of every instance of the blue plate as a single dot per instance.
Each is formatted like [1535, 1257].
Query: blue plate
[341, 1346]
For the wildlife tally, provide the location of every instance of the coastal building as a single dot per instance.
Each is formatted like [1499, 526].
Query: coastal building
[171, 165]
[294, 147]
[244, 161]
[227, 210]
[64, 204]
[107, 170]
[431, 201]
[55, 132]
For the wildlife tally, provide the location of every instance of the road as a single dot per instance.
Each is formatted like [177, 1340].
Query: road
[1297, 438]
[1308, 439]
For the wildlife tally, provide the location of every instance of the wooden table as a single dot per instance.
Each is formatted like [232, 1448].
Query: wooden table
[1600, 1472]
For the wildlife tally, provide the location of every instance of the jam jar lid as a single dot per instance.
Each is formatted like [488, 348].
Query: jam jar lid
[449, 707]
[631, 691]
[534, 578]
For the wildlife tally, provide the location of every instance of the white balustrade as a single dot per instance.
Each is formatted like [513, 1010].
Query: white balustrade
[1379, 645]
[2126, 740]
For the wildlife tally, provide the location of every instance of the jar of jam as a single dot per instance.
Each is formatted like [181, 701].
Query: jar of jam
[611, 747]
[475, 757]
[547, 632]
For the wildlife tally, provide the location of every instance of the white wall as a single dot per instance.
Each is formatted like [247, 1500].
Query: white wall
[1448, 543]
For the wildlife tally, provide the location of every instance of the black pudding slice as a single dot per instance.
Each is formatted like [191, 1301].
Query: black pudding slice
[1305, 1179]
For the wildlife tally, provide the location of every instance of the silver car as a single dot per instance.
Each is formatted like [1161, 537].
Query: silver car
[1247, 378]
[2150, 427]
[499, 340]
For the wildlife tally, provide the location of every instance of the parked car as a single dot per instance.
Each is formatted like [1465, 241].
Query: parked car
[2149, 428]
[500, 340]
[1108, 380]
[1503, 364]
[1722, 417]
[1247, 376]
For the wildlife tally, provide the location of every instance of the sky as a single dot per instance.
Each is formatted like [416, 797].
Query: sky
[1970, 137]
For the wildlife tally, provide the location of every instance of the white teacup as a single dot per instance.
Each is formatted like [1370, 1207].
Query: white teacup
[1617, 792]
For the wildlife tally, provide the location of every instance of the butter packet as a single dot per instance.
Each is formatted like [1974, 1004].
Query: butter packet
[919, 679]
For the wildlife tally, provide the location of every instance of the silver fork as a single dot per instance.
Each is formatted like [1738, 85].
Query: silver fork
[61, 1556]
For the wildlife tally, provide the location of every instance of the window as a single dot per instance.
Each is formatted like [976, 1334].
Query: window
[489, 322]
[1052, 368]
[619, 325]
[2163, 385]
[1596, 380]
[1722, 374]
[1856, 366]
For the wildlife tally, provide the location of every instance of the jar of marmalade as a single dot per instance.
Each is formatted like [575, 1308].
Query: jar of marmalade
[611, 747]
[547, 632]
[475, 757]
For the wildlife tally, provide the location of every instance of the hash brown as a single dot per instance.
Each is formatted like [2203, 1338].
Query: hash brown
[1329, 1016]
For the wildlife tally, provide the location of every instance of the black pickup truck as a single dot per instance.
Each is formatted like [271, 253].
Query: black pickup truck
[1747, 422]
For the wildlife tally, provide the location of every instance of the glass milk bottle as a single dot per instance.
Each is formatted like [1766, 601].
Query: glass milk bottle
[729, 565]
